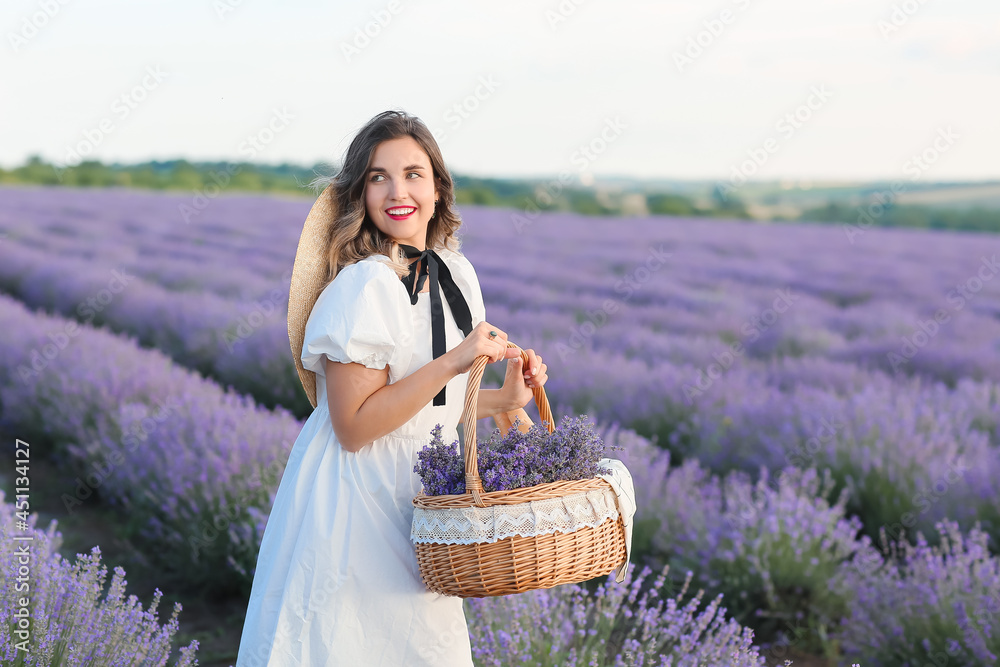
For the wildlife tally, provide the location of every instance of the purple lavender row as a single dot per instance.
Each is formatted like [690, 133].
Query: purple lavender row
[685, 290]
[238, 248]
[827, 382]
[193, 468]
[59, 619]
[630, 624]
[243, 344]
[662, 362]
[911, 453]
[770, 547]
[788, 560]
[909, 302]
[923, 604]
[676, 318]
[670, 292]
[79, 347]
[646, 484]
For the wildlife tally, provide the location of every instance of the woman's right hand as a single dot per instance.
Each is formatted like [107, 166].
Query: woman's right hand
[479, 343]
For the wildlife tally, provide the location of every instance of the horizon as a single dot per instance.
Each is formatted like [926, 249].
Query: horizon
[785, 183]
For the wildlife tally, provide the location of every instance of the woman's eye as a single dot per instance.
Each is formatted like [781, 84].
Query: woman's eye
[376, 176]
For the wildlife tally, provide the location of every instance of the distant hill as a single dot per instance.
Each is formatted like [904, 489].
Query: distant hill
[960, 205]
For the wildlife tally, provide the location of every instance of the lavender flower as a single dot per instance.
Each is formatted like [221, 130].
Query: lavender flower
[924, 604]
[514, 459]
[67, 623]
[196, 466]
[770, 546]
[631, 624]
[440, 466]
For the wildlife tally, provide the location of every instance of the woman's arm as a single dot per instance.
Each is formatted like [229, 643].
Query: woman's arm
[491, 402]
[363, 407]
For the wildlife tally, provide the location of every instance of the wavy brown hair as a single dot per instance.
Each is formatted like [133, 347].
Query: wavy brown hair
[353, 236]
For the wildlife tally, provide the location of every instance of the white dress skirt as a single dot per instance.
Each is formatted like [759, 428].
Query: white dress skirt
[337, 581]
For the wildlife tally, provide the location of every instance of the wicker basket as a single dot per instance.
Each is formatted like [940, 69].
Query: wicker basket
[516, 564]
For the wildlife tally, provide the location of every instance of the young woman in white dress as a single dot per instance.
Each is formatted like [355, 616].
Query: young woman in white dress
[385, 352]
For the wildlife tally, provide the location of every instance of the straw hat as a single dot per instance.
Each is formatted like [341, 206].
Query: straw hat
[308, 274]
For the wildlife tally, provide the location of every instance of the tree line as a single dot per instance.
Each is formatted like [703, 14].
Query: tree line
[527, 193]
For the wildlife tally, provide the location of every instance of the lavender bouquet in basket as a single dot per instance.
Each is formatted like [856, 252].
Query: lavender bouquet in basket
[541, 509]
[515, 459]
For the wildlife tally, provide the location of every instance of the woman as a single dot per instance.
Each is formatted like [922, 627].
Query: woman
[396, 324]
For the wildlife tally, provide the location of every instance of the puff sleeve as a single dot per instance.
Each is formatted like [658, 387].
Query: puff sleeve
[363, 317]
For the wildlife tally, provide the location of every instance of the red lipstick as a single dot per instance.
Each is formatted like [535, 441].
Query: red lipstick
[407, 212]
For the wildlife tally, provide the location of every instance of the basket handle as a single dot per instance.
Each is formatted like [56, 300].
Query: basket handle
[473, 483]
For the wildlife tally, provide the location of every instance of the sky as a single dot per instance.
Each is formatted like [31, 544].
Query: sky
[699, 89]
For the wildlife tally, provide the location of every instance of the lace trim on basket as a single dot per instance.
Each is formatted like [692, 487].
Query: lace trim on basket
[475, 525]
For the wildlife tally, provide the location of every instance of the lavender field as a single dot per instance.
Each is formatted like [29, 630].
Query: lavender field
[812, 416]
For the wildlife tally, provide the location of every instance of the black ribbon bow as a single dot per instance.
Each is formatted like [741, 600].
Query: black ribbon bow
[432, 266]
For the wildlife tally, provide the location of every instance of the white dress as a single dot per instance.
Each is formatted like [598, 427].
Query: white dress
[337, 581]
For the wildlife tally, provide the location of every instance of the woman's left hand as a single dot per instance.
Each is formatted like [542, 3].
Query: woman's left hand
[519, 383]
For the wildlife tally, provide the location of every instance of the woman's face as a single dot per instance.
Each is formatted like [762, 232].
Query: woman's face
[400, 192]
